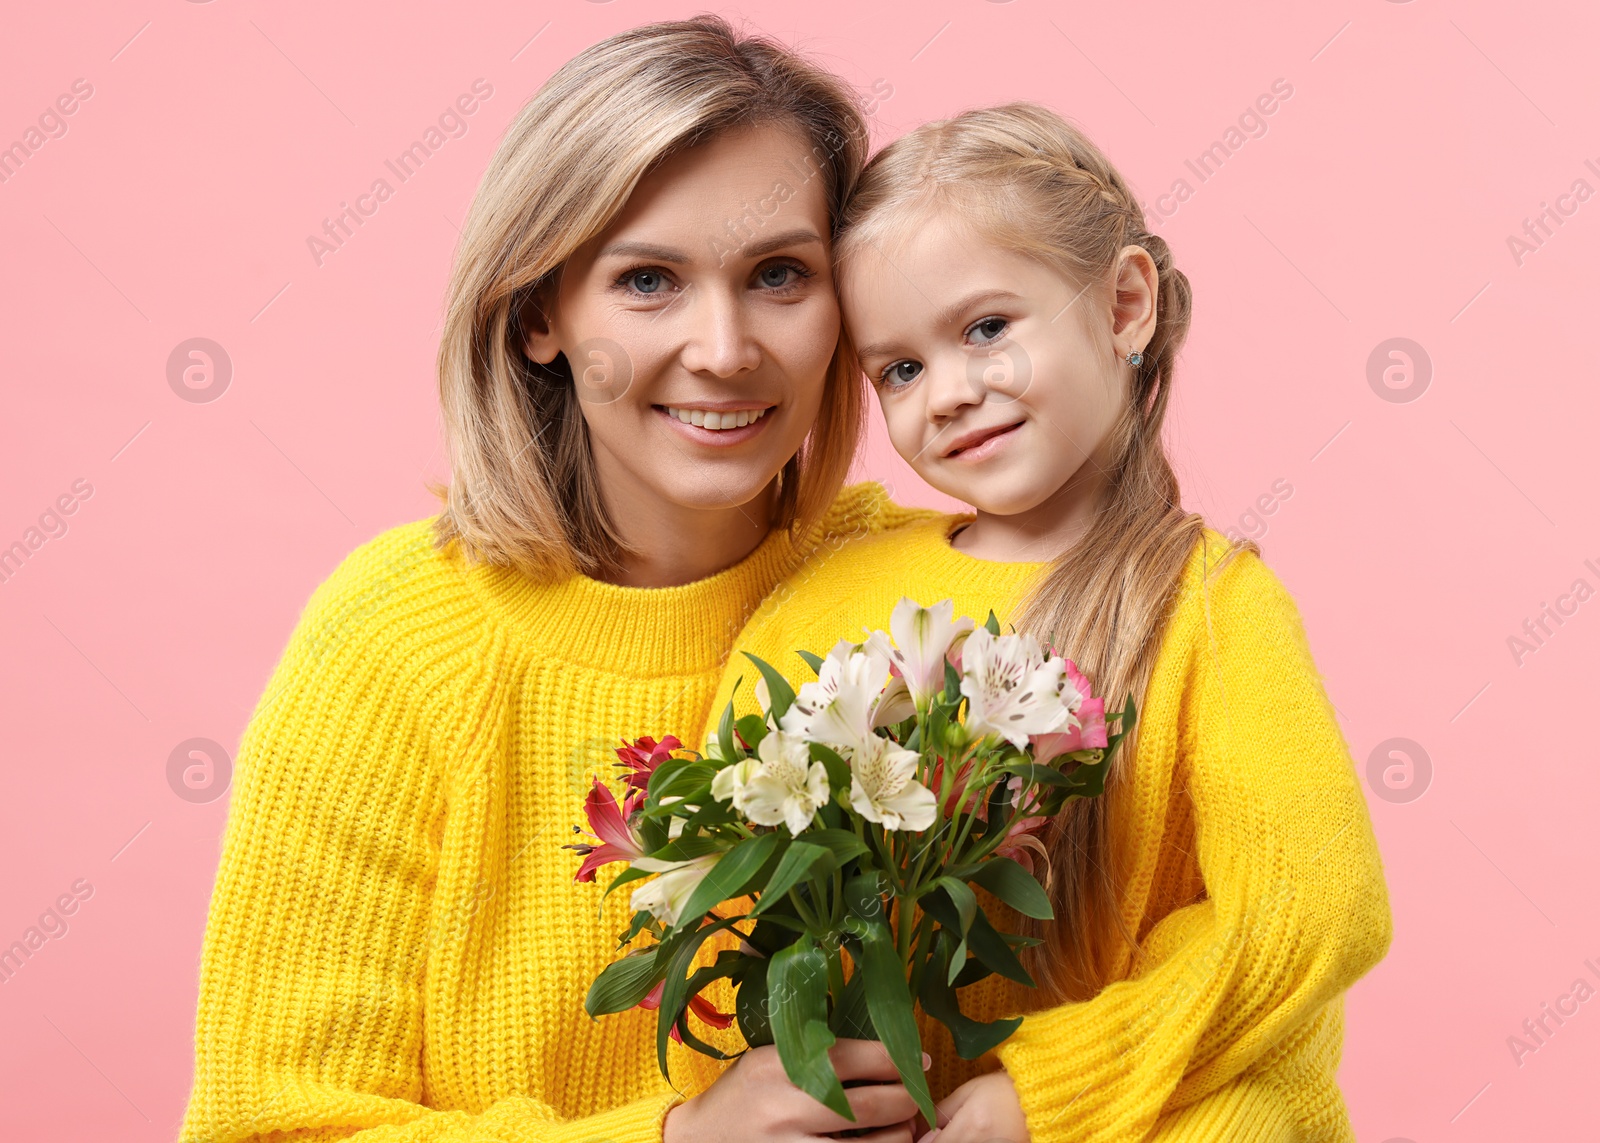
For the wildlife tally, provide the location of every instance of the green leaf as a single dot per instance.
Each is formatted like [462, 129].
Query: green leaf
[674, 995]
[750, 1004]
[890, 1006]
[972, 1037]
[730, 877]
[800, 860]
[844, 844]
[797, 984]
[752, 728]
[838, 769]
[779, 691]
[686, 847]
[635, 927]
[863, 896]
[725, 726]
[850, 1019]
[623, 983]
[622, 879]
[812, 661]
[992, 623]
[952, 683]
[730, 964]
[1014, 885]
[990, 947]
[965, 901]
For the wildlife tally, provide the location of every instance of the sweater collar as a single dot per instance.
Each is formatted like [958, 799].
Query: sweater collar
[641, 631]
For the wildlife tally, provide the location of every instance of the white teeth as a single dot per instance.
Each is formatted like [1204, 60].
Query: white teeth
[718, 422]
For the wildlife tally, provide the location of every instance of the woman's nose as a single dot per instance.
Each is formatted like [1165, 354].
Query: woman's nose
[720, 341]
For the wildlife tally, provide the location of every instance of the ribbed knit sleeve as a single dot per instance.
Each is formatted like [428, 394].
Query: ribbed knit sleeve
[1295, 907]
[316, 958]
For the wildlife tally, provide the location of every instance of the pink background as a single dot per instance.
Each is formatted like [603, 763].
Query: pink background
[1418, 536]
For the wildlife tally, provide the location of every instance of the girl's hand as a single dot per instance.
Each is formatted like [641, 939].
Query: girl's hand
[754, 1100]
[982, 1110]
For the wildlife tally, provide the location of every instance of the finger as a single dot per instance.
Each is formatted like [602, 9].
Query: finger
[873, 1105]
[881, 1105]
[900, 1133]
[862, 1059]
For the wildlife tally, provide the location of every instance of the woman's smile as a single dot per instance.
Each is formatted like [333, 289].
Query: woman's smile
[720, 424]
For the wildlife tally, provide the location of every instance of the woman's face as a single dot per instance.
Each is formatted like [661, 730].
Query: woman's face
[699, 326]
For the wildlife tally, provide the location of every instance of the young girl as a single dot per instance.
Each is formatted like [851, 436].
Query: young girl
[1020, 326]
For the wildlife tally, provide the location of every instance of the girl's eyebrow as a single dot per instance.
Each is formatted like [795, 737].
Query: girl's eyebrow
[952, 313]
[947, 316]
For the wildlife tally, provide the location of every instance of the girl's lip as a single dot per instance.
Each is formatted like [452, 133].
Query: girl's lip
[986, 444]
[716, 438]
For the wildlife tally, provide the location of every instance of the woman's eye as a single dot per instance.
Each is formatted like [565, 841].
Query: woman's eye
[781, 275]
[901, 373]
[645, 281]
[987, 330]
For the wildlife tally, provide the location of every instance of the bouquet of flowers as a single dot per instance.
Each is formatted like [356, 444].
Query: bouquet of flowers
[840, 834]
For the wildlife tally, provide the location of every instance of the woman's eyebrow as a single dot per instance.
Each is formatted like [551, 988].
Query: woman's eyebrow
[644, 250]
[677, 257]
[800, 237]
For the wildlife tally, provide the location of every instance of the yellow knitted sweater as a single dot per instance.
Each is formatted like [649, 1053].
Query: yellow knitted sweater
[395, 948]
[1255, 885]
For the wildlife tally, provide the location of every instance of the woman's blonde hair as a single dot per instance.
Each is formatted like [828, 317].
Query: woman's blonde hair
[524, 491]
[1031, 181]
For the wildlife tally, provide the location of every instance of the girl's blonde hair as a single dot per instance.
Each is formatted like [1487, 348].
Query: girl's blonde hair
[525, 492]
[1033, 182]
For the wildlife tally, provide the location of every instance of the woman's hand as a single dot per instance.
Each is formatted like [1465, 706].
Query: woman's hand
[754, 1100]
[982, 1110]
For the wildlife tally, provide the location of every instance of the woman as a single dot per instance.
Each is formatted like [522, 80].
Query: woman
[649, 424]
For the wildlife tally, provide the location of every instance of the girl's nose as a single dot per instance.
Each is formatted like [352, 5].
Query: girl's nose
[950, 389]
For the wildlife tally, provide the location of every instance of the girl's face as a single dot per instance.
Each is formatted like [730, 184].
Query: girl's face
[699, 326]
[994, 382]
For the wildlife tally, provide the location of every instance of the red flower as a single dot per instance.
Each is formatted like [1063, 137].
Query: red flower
[700, 1006]
[609, 824]
[643, 756]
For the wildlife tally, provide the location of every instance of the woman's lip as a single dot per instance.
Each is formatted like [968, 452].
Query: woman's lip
[716, 438]
[976, 446]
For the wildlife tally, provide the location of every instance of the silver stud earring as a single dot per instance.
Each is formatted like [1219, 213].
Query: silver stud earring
[1134, 358]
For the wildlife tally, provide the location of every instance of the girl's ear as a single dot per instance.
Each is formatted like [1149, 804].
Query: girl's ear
[1138, 285]
[539, 336]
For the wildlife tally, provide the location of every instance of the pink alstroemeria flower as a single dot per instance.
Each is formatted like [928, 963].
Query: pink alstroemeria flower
[1089, 735]
[699, 1005]
[609, 824]
[643, 756]
[1020, 840]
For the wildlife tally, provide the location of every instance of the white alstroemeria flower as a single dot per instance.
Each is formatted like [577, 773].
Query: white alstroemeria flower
[787, 788]
[883, 786]
[1012, 690]
[923, 637]
[837, 708]
[895, 704]
[729, 781]
[666, 895]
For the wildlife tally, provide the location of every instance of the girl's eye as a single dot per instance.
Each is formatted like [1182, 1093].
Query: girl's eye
[901, 373]
[987, 330]
[645, 281]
